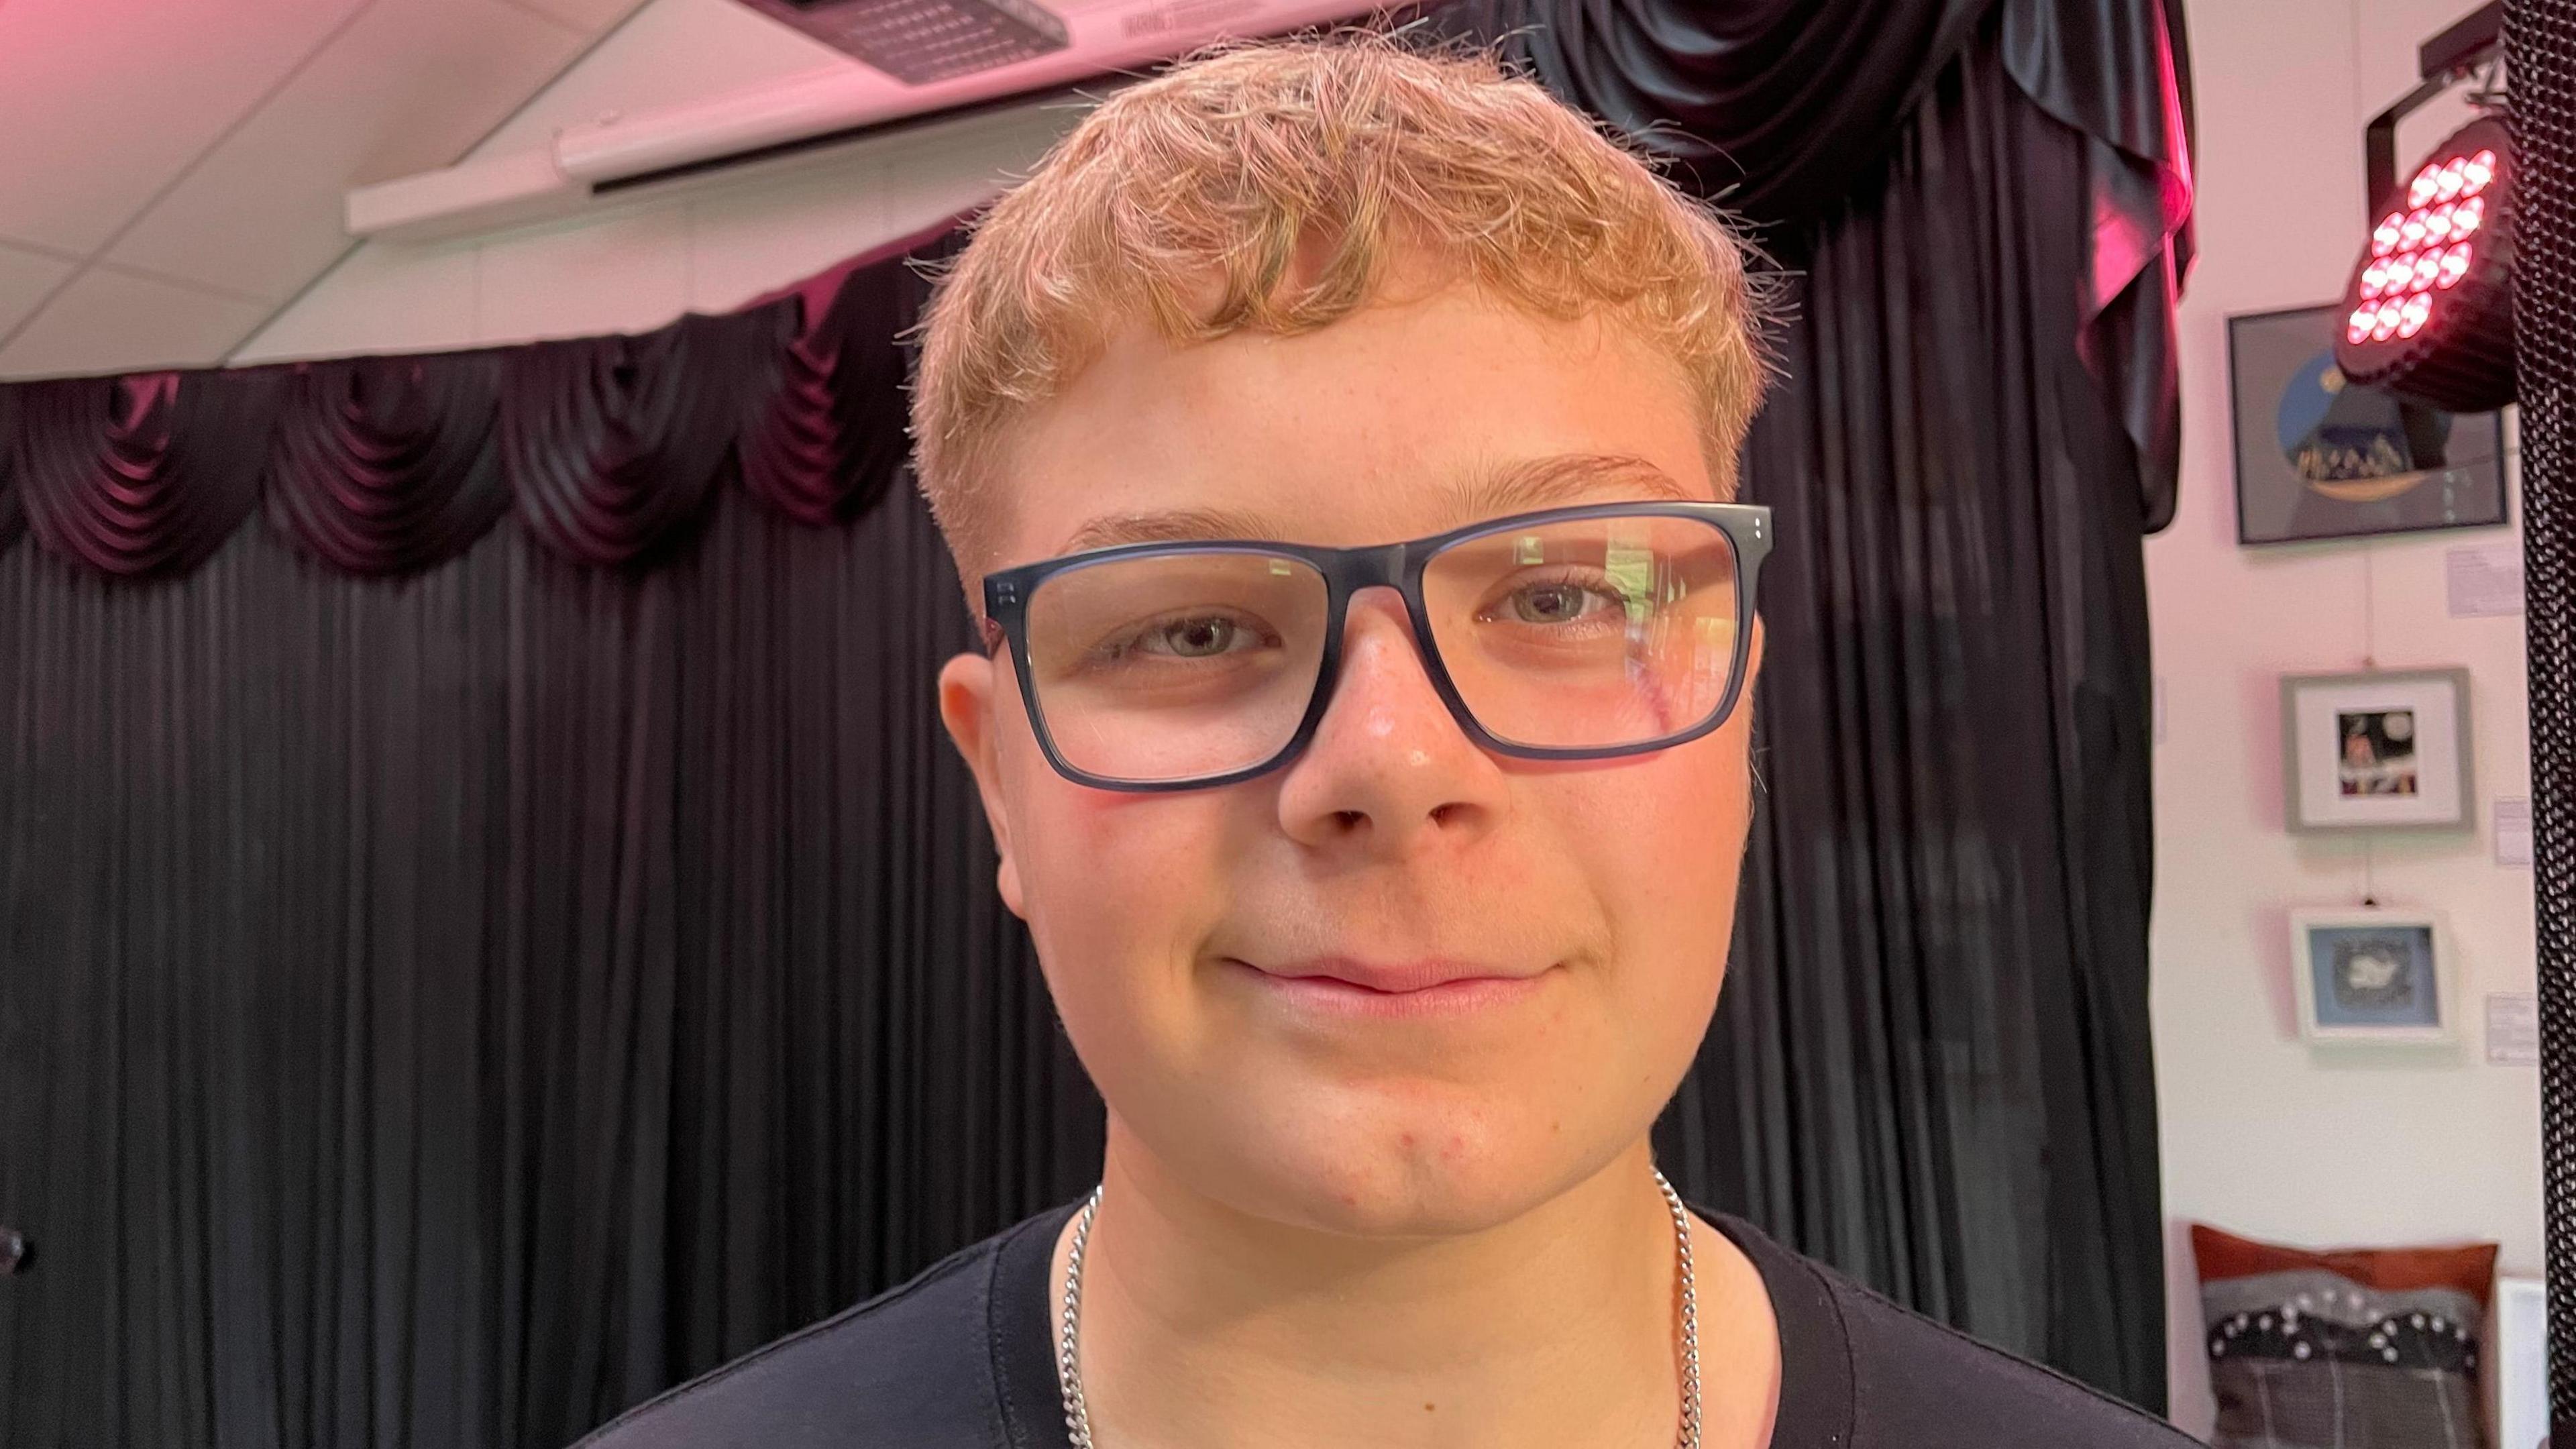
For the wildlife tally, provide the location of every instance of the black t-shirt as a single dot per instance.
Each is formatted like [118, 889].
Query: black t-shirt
[963, 1357]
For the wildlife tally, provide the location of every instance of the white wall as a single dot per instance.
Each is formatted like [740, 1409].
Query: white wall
[2260, 1136]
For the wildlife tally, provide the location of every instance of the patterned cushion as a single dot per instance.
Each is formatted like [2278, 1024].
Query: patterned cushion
[2350, 1350]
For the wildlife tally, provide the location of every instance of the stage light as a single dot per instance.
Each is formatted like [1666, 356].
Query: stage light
[2429, 310]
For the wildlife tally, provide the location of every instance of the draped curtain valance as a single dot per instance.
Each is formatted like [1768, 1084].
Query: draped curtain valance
[605, 447]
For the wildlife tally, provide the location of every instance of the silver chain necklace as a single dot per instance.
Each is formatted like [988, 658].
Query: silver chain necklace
[1068, 1358]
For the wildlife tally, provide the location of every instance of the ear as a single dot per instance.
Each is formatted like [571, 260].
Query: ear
[967, 686]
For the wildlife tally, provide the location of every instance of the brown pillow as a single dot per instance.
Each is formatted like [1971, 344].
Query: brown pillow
[2372, 1349]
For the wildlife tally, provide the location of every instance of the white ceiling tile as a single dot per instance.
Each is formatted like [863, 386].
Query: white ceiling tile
[25, 279]
[588, 16]
[110, 321]
[103, 105]
[673, 52]
[386, 297]
[624, 273]
[407, 88]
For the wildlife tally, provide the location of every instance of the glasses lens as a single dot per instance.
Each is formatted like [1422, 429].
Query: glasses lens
[1176, 666]
[1589, 633]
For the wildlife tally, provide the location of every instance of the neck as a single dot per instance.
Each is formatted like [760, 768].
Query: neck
[1212, 1328]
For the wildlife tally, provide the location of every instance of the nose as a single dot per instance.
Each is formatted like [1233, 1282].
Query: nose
[1388, 770]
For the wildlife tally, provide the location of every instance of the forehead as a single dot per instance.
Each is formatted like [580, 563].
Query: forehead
[1401, 419]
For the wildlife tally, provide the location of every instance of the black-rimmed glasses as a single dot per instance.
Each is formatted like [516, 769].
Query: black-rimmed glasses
[1569, 634]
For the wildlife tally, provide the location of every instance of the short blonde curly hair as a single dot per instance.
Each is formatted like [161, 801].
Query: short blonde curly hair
[1278, 178]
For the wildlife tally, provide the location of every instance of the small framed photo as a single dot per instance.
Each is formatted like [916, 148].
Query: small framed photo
[2320, 456]
[2373, 975]
[2386, 750]
[2521, 1357]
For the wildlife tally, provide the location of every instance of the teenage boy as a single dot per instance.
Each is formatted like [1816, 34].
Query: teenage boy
[1337, 443]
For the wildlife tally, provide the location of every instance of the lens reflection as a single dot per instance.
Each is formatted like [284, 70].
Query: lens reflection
[1591, 633]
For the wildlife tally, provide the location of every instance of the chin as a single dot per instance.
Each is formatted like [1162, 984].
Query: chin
[1405, 1162]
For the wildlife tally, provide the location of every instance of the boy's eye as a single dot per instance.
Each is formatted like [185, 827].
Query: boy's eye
[1193, 638]
[1552, 603]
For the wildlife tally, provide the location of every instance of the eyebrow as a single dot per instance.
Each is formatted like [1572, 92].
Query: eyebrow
[1524, 485]
[1528, 484]
[1176, 525]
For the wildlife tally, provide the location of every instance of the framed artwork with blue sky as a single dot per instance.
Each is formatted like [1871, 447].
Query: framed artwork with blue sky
[2320, 457]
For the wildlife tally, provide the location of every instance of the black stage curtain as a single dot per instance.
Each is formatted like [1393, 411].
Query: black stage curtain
[489, 926]
[443, 1012]
[1931, 1065]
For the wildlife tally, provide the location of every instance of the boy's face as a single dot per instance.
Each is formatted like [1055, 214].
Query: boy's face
[1601, 892]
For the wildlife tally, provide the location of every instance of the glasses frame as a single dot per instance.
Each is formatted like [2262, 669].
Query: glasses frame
[1398, 566]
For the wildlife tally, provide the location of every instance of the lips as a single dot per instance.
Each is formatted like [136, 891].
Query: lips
[1343, 990]
[1392, 978]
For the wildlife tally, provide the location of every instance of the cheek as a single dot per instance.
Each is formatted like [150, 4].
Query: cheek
[1120, 890]
[1661, 843]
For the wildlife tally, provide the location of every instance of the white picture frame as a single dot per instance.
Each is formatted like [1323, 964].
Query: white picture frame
[2382, 750]
[2374, 976]
[2518, 1346]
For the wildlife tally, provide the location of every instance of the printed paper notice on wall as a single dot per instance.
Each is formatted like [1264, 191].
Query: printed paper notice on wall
[2513, 833]
[2486, 580]
[2513, 1031]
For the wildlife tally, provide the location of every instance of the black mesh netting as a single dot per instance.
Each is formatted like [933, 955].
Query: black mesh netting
[2540, 61]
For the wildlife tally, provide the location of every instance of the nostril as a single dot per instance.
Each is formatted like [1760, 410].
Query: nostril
[1350, 820]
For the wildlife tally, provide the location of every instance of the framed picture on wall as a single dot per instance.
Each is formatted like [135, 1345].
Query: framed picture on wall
[2373, 975]
[2320, 457]
[2384, 750]
[2521, 1339]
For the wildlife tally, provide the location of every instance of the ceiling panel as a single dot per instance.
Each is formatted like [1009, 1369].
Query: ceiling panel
[102, 104]
[959, 165]
[751, 239]
[110, 321]
[588, 16]
[619, 274]
[25, 278]
[381, 298]
[408, 87]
